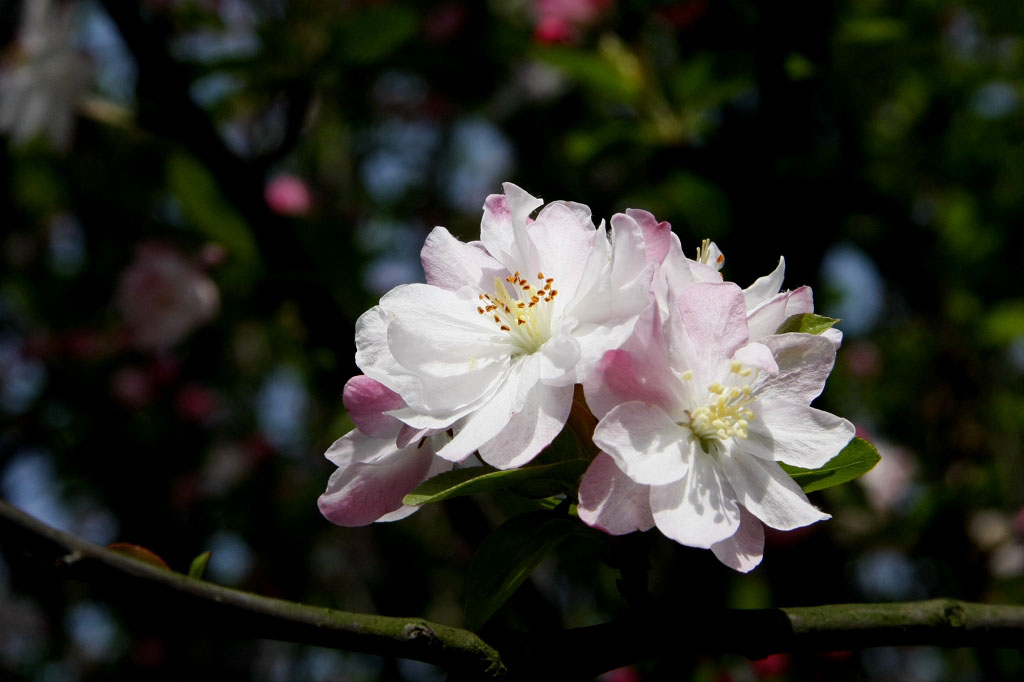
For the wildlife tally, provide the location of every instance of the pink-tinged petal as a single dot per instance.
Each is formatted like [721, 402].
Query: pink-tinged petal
[635, 372]
[613, 502]
[366, 401]
[743, 551]
[697, 511]
[769, 493]
[645, 442]
[765, 288]
[757, 356]
[486, 422]
[530, 430]
[767, 318]
[451, 264]
[796, 434]
[657, 235]
[804, 362]
[715, 321]
[504, 215]
[360, 493]
[438, 466]
[800, 301]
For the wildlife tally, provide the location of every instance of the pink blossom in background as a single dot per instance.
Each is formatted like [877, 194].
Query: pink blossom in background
[888, 484]
[163, 297]
[288, 195]
[196, 402]
[133, 387]
[559, 21]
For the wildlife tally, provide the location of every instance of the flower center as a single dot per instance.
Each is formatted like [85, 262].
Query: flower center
[524, 313]
[726, 410]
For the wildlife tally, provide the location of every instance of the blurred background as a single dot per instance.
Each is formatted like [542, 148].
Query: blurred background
[199, 197]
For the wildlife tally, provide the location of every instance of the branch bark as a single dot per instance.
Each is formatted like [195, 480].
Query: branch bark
[579, 653]
[168, 597]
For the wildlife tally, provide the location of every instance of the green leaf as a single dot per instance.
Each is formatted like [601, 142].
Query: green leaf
[507, 557]
[806, 323]
[853, 461]
[206, 210]
[198, 565]
[375, 31]
[871, 31]
[484, 478]
[599, 73]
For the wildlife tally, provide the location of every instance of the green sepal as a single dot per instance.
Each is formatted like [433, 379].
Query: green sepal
[853, 461]
[508, 556]
[806, 323]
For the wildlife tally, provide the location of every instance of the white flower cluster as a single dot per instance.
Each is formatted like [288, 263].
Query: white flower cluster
[698, 397]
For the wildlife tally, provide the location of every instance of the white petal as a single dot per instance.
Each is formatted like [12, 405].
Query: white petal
[532, 429]
[451, 264]
[758, 356]
[804, 362]
[765, 287]
[645, 442]
[769, 493]
[558, 360]
[698, 510]
[564, 236]
[486, 422]
[373, 355]
[796, 434]
[742, 551]
[440, 333]
[767, 318]
[612, 501]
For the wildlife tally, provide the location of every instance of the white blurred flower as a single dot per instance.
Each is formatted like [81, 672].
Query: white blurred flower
[43, 76]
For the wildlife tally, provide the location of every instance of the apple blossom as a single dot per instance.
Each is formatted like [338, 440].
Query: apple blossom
[696, 412]
[492, 345]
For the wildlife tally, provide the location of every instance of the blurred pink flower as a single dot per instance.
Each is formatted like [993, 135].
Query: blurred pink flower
[558, 21]
[163, 297]
[888, 484]
[132, 386]
[288, 195]
[196, 402]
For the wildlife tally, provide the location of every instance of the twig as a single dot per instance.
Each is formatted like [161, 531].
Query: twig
[174, 597]
[579, 653]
